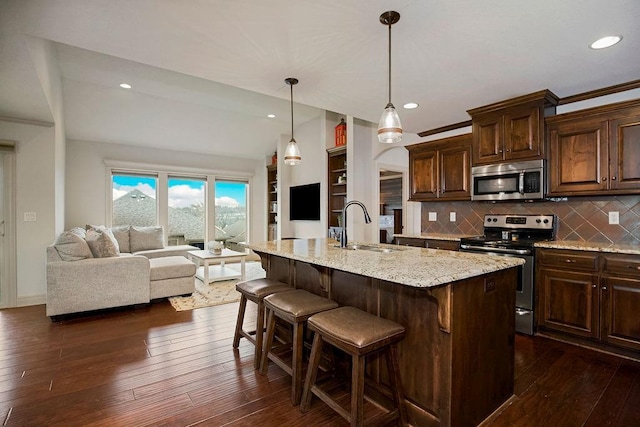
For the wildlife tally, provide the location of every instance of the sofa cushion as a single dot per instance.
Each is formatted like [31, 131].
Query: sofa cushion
[72, 246]
[102, 243]
[171, 267]
[145, 238]
[121, 233]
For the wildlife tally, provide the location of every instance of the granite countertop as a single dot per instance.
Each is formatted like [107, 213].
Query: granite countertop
[435, 236]
[590, 246]
[417, 267]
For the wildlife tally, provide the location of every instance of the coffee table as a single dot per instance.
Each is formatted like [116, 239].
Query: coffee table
[213, 266]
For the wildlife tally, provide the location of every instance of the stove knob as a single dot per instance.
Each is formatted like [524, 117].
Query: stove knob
[495, 219]
[546, 221]
[538, 220]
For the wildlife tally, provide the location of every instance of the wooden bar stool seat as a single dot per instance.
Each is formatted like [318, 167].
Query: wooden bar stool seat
[358, 334]
[294, 307]
[255, 290]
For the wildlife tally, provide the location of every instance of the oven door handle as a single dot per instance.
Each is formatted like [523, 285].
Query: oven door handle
[521, 183]
[501, 250]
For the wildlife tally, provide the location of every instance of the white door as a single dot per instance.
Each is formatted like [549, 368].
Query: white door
[8, 288]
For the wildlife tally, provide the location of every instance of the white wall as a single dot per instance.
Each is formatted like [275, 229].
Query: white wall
[34, 192]
[39, 180]
[87, 185]
[312, 169]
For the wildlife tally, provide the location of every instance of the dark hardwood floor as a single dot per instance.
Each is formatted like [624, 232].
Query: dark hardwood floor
[155, 366]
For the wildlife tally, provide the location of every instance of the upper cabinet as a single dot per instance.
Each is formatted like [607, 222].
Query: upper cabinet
[512, 129]
[595, 151]
[440, 169]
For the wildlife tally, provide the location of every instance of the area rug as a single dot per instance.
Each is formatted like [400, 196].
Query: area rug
[217, 293]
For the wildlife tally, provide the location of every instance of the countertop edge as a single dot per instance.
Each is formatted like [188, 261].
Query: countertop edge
[589, 247]
[372, 264]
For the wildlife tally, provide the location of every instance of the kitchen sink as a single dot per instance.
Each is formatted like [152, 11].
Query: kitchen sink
[373, 248]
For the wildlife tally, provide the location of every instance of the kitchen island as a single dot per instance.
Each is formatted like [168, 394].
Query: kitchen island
[457, 358]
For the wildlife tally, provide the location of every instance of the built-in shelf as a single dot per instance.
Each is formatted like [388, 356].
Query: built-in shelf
[336, 168]
[272, 201]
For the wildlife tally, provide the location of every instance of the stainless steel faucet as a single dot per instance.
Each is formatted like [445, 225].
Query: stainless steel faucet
[367, 219]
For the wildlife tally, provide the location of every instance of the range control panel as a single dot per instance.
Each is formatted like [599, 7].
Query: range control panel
[525, 221]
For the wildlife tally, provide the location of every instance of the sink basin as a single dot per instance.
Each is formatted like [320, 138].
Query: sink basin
[358, 247]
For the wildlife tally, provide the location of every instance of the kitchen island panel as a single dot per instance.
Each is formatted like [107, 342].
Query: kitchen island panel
[457, 357]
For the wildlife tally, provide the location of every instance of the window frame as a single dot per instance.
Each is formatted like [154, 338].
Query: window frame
[163, 173]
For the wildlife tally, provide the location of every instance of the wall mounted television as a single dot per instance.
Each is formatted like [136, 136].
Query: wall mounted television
[304, 202]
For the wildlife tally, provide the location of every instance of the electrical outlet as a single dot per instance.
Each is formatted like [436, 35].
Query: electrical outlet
[433, 216]
[30, 216]
[614, 217]
[452, 216]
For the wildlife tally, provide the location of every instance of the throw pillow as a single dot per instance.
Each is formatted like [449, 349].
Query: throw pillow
[72, 246]
[121, 233]
[102, 243]
[146, 238]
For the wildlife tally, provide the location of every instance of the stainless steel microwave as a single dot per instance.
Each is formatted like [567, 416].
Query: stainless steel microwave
[509, 181]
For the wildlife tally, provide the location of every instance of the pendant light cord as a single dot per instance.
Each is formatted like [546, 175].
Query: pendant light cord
[389, 63]
[291, 110]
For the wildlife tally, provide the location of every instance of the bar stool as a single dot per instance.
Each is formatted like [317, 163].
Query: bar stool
[255, 290]
[293, 307]
[359, 334]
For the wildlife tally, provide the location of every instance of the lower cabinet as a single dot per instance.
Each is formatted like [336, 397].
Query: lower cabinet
[590, 295]
[448, 245]
[410, 241]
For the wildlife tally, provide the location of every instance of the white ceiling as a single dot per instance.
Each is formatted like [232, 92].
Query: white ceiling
[206, 73]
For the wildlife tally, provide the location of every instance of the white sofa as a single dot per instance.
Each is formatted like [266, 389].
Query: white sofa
[104, 268]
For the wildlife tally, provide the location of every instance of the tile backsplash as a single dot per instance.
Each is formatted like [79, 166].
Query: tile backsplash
[579, 218]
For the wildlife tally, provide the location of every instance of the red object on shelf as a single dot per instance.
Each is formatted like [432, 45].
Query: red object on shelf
[341, 133]
[274, 158]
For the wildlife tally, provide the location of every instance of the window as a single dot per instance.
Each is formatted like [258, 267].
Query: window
[231, 213]
[182, 202]
[134, 199]
[187, 211]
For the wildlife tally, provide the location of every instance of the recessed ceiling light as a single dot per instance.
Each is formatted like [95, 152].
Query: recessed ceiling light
[125, 85]
[410, 105]
[605, 42]
[271, 116]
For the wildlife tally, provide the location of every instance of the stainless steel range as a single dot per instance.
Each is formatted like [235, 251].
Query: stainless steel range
[515, 236]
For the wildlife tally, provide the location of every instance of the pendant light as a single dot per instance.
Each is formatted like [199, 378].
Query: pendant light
[389, 128]
[292, 153]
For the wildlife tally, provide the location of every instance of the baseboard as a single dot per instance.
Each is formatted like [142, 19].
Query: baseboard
[31, 300]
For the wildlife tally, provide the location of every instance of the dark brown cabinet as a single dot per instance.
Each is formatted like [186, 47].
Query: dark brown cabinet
[440, 169]
[595, 151]
[447, 245]
[620, 284]
[410, 241]
[337, 184]
[590, 296]
[511, 130]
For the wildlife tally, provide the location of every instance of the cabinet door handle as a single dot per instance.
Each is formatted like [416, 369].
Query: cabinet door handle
[604, 288]
[593, 286]
[613, 178]
[604, 178]
[569, 260]
[508, 150]
[499, 151]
